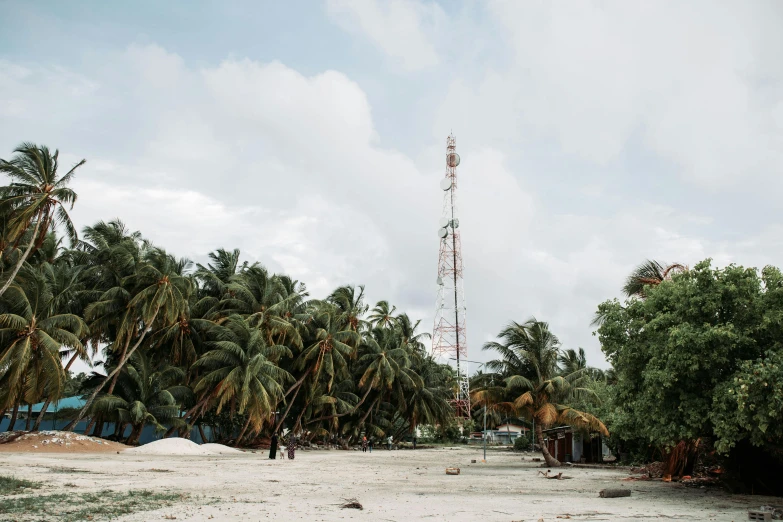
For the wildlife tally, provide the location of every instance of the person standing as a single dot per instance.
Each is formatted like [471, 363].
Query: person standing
[389, 441]
[414, 442]
[370, 443]
[273, 447]
[291, 447]
[364, 444]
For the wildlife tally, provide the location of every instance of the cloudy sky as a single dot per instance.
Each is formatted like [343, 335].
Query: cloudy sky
[311, 135]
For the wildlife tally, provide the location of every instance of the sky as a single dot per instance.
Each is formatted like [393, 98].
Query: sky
[311, 135]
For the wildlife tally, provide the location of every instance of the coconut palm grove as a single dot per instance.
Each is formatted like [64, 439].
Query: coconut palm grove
[234, 353]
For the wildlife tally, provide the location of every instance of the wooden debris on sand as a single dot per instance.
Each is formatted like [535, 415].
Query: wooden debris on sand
[452, 471]
[614, 493]
[559, 476]
[352, 503]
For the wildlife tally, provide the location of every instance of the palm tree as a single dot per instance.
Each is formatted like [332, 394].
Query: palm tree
[382, 315]
[650, 273]
[35, 196]
[571, 361]
[385, 363]
[349, 300]
[216, 275]
[541, 392]
[240, 370]
[429, 403]
[32, 333]
[157, 296]
[144, 395]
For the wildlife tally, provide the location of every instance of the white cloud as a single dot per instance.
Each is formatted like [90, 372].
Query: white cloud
[291, 168]
[400, 28]
[696, 83]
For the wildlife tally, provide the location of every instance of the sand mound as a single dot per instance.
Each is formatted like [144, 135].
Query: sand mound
[220, 449]
[173, 446]
[55, 442]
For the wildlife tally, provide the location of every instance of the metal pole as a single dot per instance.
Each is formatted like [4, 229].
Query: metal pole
[485, 431]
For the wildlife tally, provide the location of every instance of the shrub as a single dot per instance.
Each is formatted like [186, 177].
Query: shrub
[522, 443]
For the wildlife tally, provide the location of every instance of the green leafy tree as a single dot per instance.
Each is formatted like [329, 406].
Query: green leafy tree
[682, 355]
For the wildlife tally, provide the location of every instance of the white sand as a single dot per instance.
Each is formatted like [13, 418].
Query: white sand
[178, 446]
[392, 485]
[173, 446]
[220, 449]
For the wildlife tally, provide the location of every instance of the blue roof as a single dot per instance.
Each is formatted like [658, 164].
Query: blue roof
[66, 402]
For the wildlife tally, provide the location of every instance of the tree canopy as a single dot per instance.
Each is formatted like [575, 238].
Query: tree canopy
[698, 357]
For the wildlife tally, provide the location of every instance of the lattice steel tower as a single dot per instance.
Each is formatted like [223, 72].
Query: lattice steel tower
[449, 338]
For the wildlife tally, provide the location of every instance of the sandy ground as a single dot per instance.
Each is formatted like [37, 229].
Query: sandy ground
[55, 442]
[391, 485]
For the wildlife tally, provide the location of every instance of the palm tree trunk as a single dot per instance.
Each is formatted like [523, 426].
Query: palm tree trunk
[14, 413]
[135, 433]
[288, 408]
[117, 376]
[21, 259]
[299, 418]
[191, 412]
[297, 384]
[361, 422]
[201, 432]
[242, 433]
[337, 415]
[29, 417]
[88, 428]
[548, 458]
[97, 390]
[41, 415]
[45, 407]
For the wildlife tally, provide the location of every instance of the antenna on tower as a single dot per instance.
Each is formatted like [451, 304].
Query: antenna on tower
[449, 337]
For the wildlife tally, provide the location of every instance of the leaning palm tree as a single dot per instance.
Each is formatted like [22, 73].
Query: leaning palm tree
[153, 298]
[650, 273]
[35, 197]
[541, 392]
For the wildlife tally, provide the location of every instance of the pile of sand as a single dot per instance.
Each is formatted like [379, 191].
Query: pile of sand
[179, 446]
[55, 442]
[220, 449]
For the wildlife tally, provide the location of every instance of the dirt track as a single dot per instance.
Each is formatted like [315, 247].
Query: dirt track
[396, 485]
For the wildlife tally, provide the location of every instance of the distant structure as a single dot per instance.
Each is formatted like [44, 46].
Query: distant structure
[449, 338]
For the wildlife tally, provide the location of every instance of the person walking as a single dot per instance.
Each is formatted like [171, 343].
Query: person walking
[414, 442]
[364, 444]
[291, 447]
[389, 442]
[370, 443]
[273, 447]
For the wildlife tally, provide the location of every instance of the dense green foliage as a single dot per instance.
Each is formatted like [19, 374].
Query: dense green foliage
[226, 343]
[698, 357]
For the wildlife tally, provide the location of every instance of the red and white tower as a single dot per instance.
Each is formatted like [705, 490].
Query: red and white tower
[449, 337]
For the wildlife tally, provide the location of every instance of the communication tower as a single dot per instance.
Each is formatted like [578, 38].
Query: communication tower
[449, 338]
